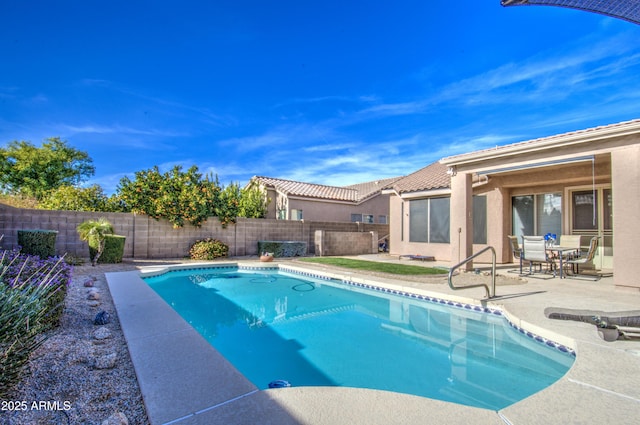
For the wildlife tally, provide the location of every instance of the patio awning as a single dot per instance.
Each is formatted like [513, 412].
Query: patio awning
[628, 10]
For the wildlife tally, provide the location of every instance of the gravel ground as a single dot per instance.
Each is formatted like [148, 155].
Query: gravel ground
[82, 374]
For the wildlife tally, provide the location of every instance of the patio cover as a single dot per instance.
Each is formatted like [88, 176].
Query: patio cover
[628, 10]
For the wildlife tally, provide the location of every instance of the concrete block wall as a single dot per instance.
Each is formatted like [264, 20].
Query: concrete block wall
[345, 243]
[149, 238]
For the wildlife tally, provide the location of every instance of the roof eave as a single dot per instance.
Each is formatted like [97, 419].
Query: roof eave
[555, 142]
[428, 193]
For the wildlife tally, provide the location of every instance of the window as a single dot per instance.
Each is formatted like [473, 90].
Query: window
[367, 218]
[429, 220]
[382, 219]
[439, 220]
[296, 214]
[356, 218]
[418, 220]
[537, 214]
[480, 219]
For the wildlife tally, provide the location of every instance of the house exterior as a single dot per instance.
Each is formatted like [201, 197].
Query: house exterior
[572, 183]
[293, 200]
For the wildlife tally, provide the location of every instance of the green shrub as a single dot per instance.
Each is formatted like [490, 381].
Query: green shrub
[283, 248]
[32, 293]
[94, 232]
[21, 328]
[113, 249]
[38, 242]
[208, 249]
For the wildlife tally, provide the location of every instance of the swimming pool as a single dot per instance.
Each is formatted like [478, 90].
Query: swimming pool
[275, 325]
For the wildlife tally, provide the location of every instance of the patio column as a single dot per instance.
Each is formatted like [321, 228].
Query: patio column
[461, 218]
[625, 185]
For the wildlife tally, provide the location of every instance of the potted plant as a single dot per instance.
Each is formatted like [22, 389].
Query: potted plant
[266, 257]
[95, 232]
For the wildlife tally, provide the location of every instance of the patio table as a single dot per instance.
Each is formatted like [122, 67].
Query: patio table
[562, 251]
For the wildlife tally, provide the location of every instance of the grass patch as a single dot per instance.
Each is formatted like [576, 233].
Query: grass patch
[376, 266]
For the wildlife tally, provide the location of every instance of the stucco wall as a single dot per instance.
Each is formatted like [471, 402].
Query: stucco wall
[148, 238]
[336, 211]
[499, 189]
[626, 204]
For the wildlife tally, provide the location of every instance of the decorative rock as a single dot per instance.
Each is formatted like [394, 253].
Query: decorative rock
[107, 361]
[102, 333]
[102, 318]
[93, 295]
[93, 303]
[79, 352]
[89, 283]
[117, 418]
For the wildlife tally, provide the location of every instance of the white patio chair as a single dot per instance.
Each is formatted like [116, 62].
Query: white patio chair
[534, 250]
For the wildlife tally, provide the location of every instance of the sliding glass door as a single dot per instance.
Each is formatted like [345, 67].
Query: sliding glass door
[536, 214]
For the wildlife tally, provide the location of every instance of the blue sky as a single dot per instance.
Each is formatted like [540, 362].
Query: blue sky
[331, 92]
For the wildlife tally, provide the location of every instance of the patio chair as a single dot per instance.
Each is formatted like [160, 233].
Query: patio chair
[534, 250]
[572, 241]
[575, 263]
[515, 249]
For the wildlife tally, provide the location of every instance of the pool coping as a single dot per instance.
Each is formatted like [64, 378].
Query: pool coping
[184, 380]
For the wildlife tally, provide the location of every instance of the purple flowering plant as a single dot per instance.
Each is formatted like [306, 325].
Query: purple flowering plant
[26, 272]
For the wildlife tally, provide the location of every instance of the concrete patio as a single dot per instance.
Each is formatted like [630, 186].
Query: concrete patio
[185, 381]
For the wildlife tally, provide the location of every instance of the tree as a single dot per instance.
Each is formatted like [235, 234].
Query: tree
[176, 195]
[253, 202]
[71, 198]
[228, 204]
[95, 231]
[28, 170]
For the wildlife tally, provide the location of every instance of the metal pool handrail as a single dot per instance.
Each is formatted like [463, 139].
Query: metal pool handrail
[490, 294]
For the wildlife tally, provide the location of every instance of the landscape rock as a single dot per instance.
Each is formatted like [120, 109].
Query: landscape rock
[108, 361]
[93, 295]
[102, 318]
[117, 418]
[102, 333]
[89, 283]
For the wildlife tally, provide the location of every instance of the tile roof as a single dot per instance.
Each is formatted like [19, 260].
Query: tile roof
[433, 176]
[586, 135]
[353, 193]
[367, 189]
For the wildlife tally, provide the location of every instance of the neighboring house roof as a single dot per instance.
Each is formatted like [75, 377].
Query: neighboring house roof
[368, 189]
[431, 177]
[354, 193]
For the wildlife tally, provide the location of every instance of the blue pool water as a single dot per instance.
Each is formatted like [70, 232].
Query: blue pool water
[311, 332]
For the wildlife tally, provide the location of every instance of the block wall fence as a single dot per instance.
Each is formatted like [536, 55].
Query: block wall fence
[147, 238]
[345, 243]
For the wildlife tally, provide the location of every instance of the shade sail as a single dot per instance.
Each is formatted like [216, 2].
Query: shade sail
[628, 10]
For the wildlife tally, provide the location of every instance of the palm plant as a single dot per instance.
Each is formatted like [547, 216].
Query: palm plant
[94, 232]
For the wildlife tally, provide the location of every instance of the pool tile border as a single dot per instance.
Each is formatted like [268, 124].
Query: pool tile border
[403, 293]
